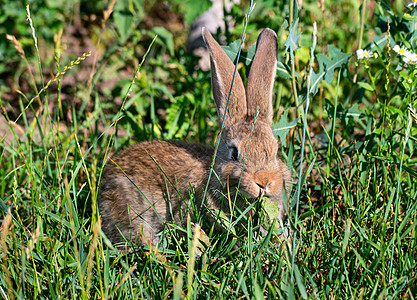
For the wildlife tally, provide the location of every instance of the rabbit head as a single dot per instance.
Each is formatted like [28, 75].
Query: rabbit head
[247, 156]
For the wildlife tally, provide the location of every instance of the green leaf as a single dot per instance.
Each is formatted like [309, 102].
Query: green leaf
[194, 9]
[342, 112]
[250, 54]
[353, 112]
[283, 71]
[292, 40]
[380, 41]
[271, 207]
[232, 50]
[259, 293]
[360, 259]
[300, 282]
[394, 110]
[123, 21]
[283, 127]
[327, 66]
[366, 86]
[410, 171]
[409, 17]
[165, 38]
[346, 237]
[247, 58]
[272, 213]
[174, 115]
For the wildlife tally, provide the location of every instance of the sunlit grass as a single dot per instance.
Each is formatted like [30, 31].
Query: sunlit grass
[353, 206]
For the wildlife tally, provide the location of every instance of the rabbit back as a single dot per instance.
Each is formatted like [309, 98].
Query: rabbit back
[147, 184]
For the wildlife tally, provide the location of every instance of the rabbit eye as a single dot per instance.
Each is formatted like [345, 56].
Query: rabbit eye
[234, 153]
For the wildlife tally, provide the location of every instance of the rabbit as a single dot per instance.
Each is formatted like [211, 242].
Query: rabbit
[148, 184]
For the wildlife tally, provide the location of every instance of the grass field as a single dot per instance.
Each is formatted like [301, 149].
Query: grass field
[80, 81]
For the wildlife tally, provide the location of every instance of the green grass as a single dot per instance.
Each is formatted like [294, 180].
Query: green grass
[353, 207]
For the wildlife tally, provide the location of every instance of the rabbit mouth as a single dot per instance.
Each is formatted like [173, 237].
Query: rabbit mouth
[259, 184]
[252, 192]
[262, 191]
[258, 191]
[250, 184]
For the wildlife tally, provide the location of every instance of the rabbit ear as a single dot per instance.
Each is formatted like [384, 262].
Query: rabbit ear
[262, 75]
[222, 69]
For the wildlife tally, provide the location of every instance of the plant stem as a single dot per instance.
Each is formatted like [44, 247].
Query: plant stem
[300, 175]
[293, 83]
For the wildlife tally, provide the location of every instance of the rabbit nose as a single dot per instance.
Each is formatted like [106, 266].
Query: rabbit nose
[262, 180]
[261, 185]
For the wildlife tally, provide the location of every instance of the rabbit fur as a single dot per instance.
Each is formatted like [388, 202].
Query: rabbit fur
[148, 184]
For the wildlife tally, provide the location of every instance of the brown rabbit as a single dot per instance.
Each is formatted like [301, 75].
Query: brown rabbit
[148, 184]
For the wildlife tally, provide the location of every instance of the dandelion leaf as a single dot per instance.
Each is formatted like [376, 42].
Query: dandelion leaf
[250, 54]
[292, 40]
[283, 127]
[327, 66]
[380, 41]
[283, 71]
[233, 49]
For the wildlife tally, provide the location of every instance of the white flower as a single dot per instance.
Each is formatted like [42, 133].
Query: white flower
[368, 54]
[361, 54]
[401, 51]
[412, 4]
[410, 59]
